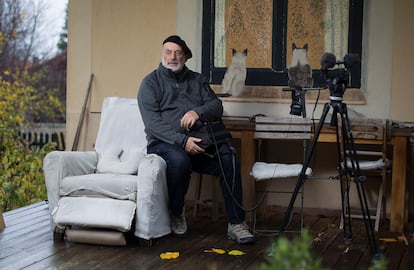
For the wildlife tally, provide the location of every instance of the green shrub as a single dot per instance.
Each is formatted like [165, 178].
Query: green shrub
[293, 254]
[21, 177]
[285, 254]
[21, 174]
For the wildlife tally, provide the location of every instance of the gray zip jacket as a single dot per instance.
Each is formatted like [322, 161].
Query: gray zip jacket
[164, 97]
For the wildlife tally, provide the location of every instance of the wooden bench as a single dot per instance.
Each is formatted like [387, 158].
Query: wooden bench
[283, 128]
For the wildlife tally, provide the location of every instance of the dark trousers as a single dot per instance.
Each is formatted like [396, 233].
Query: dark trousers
[180, 165]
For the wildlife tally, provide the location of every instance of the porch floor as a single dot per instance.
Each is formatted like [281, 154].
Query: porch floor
[27, 243]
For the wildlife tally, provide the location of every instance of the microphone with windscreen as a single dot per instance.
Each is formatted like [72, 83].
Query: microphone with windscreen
[351, 59]
[328, 60]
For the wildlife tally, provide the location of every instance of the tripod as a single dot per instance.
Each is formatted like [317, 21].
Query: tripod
[346, 151]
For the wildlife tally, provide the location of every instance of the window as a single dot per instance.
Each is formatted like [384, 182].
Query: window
[268, 28]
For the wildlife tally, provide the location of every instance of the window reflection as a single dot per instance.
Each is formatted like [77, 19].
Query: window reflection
[240, 24]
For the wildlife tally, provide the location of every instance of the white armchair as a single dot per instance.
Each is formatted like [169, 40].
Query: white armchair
[94, 196]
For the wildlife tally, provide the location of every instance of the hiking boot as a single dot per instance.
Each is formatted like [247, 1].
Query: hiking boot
[240, 233]
[179, 225]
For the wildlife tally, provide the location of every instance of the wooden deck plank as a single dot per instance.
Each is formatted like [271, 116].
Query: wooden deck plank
[324, 232]
[23, 227]
[25, 209]
[392, 253]
[407, 261]
[28, 243]
[31, 254]
[17, 218]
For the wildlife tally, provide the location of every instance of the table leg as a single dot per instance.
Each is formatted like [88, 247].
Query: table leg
[247, 158]
[398, 189]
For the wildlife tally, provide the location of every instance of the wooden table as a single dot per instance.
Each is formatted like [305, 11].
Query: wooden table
[243, 128]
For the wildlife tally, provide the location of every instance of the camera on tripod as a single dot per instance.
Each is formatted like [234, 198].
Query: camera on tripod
[337, 79]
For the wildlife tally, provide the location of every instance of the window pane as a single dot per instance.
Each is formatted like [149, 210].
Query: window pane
[242, 24]
[322, 24]
[267, 28]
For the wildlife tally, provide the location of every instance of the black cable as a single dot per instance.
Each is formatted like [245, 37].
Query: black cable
[231, 190]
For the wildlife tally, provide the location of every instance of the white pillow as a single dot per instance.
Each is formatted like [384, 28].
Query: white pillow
[119, 161]
[370, 164]
[263, 170]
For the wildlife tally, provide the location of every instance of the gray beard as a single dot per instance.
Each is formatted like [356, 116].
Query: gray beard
[175, 70]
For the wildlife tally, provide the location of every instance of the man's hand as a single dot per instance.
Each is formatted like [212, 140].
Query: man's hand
[188, 120]
[192, 148]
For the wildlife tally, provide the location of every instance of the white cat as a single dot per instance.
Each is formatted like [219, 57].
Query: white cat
[235, 77]
[300, 72]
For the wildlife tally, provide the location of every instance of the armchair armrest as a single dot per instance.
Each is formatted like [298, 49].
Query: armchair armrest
[59, 164]
[152, 217]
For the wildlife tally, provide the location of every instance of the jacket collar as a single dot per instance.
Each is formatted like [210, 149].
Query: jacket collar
[171, 75]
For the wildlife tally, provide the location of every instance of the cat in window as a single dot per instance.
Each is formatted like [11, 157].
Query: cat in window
[235, 77]
[300, 72]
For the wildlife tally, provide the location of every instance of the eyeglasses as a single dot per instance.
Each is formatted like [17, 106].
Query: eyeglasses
[178, 53]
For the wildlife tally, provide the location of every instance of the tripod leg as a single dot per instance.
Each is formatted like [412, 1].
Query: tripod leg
[302, 175]
[343, 176]
[358, 178]
[303, 102]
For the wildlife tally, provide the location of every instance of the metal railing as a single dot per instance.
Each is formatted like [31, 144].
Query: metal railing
[39, 134]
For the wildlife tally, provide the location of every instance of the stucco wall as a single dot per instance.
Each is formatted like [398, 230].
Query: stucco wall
[78, 65]
[119, 42]
[402, 95]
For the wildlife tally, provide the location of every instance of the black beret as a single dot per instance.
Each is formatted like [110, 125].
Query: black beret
[177, 40]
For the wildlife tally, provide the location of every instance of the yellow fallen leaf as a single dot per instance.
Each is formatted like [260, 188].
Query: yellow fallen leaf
[169, 255]
[215, 250]
[218, 250]
[388, 240]
[236, 252]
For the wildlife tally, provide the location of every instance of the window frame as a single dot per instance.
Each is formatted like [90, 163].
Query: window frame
[277, 74]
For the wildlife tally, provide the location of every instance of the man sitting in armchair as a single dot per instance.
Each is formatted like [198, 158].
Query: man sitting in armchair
[173, 100]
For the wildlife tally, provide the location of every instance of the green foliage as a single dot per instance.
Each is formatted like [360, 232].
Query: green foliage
[296, 254]
[21, 174]
[24, 97]
[63, 37]
[293, 254]
[380, 264]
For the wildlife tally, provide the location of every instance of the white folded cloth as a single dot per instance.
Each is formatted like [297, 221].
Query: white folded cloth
[263, 170]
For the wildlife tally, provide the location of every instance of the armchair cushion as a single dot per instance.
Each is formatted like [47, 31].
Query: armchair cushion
[117, 186]
[114, 159]
[95, 213]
